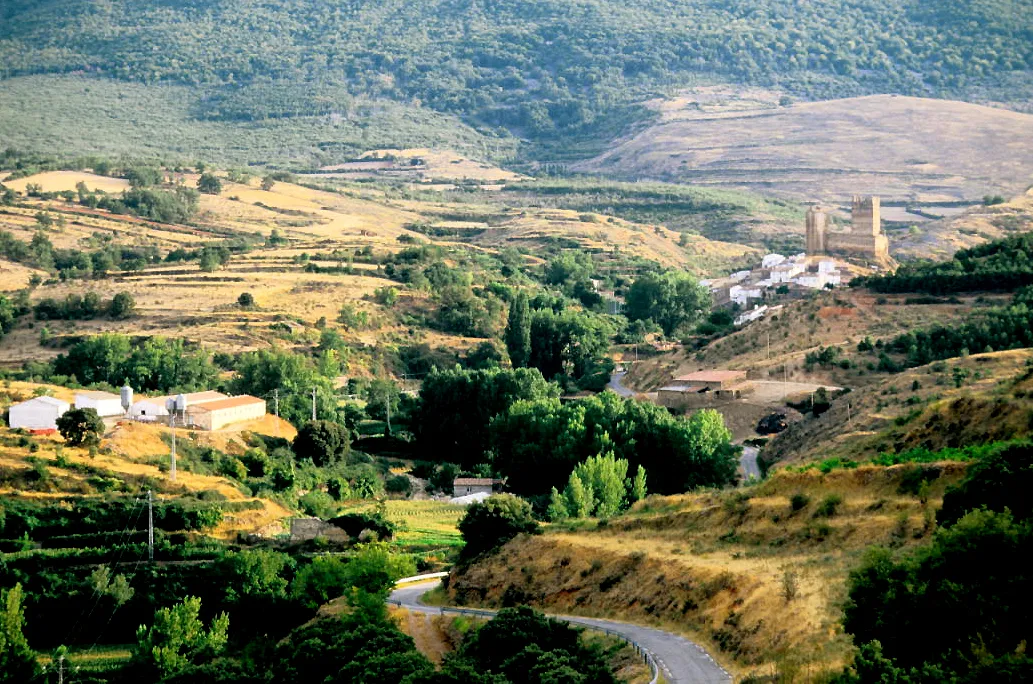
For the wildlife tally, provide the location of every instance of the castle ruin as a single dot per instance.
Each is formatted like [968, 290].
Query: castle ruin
[865, 238]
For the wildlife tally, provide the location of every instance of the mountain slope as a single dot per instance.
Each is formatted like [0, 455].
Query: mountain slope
[543, 69]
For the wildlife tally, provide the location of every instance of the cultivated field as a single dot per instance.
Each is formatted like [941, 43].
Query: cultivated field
[901, 148]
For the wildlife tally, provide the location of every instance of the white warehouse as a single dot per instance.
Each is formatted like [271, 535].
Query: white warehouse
[40, 413]
[105, 404]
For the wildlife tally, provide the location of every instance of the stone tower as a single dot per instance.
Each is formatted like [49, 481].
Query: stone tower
[866, 218]
[816, 224]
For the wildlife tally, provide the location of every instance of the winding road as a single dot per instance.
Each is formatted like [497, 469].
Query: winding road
[680, 660]
[748, 461]
[617, 385]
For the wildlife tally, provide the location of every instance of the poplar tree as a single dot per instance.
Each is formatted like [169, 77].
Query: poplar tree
[518, 332]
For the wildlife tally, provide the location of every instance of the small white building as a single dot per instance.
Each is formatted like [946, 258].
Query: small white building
[39, 413]
[740, 276]
[771, 260]
[742, 295]
[752, 315]
[104, 403]
[783, 273]
[826, 266]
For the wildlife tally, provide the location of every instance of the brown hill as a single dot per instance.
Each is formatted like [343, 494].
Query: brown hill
[901, 148]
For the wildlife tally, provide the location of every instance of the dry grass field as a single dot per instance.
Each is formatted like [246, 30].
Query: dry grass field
[977, 225]
[714, 566]
[901, 148]
[920, 408]
[181, 300]
[841, 318]
[129, 452]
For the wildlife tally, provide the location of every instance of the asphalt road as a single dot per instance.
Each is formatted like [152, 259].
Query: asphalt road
[748, 461]
[616, 385]
[681, 661]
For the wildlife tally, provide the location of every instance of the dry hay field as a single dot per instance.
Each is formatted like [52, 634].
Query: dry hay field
[433, 168]
[900, 148]
[178, 299]
[975, 226]
[713, 566]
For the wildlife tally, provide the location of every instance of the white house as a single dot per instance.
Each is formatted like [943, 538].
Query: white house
[104, 403]
[741, 295]
[783, 273]
[752, 315]
[826, 266]
[740, 276]
[771, 260]
[40, 413]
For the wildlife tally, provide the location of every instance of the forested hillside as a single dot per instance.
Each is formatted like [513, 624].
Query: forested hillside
[543, 69]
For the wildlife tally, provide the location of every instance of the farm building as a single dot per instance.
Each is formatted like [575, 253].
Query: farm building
[40, 413]
[704, 388]
[154, 407]
[213, 415]
[463, 486]
[104, 403]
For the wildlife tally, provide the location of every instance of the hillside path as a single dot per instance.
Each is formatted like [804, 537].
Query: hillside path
[681, 661]
[748, 461]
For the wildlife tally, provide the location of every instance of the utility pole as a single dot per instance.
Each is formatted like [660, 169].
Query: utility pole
[313, 403]
[785, 382]
[848, 412]
[150, 526]
[769, 345]
[276, 402]
[172, 469]
[387, 405]
[61, 669]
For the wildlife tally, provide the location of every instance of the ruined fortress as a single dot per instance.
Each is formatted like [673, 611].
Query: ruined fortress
[865, 238]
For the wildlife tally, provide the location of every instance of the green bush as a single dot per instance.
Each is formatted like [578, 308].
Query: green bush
[829, 506]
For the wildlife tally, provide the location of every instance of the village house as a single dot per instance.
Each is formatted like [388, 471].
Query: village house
[704, 388]
[464, 486]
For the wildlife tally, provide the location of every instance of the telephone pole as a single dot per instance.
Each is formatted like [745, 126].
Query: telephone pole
[313, 403]
[61, 669]
[172, 469]
[276, 402]
[150, 526]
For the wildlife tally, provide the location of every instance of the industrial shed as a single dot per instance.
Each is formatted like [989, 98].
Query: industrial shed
[40, 413]
[154, 407]
[104, 403]
[214, 415]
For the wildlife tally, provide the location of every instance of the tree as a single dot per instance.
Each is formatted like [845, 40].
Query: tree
[209, 184]
[322, 441]
[17, 661]
[669, 299]
[557, 510]
[536, 444]
[178, 638]
[267, 183]
[456, 407]
[80, 427]
[638, 486]
[122, 306]
[489, 524]
[518, 332]
[999, 481]
[959, 607]
[213, 258]
[246, 300]
[604, 476]
[580, 501]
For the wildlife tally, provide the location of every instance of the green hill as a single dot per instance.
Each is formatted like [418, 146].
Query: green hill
[541, 70]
